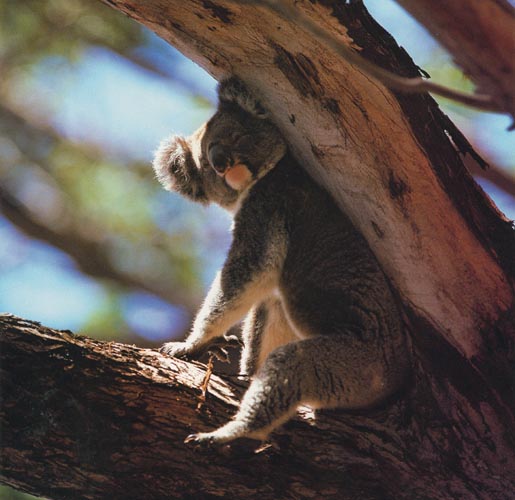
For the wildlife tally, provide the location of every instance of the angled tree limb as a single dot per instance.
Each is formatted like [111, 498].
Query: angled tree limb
[498, 176]
[480, 36]
[386, 158]
[414, 85]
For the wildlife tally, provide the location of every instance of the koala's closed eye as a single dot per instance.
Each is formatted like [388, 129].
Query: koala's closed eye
[244, 144]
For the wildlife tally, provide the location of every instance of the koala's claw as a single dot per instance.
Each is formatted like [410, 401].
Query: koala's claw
[233, 340]
[219, 440]
[218, 348]
[176, 349]
[202, 438]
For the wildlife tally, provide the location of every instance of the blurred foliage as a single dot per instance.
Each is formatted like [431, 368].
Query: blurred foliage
[105, 211]
[31, 30]
[110, 215]
[7, 493]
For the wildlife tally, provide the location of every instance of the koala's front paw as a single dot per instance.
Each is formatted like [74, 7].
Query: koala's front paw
[219, 347]
[176, 349]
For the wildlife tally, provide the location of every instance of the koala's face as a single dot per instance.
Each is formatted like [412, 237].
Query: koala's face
[221, 159]
[241, 147]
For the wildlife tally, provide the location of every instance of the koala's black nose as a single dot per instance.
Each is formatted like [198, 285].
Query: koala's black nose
[219, 157]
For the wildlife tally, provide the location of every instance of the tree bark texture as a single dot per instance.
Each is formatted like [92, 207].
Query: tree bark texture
[88, 419]
[480, 35]
[394, 164]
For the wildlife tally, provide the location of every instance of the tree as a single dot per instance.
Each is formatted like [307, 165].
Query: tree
[394, 162]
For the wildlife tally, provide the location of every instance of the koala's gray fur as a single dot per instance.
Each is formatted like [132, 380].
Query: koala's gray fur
[321, 326]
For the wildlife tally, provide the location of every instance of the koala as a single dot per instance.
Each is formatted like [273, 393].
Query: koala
[321, 326]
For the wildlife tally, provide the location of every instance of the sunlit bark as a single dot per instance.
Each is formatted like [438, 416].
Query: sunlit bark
[394, 164]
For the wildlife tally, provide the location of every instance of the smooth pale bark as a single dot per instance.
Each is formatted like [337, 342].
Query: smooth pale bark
[393, 163]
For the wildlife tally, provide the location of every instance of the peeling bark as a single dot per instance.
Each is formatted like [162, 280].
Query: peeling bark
[441, 241]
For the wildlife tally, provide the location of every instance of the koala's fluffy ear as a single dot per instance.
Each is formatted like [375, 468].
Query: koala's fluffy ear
[233, 90]
[176, 170]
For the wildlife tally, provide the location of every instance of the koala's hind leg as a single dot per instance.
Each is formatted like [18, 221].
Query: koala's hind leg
[322, 371]
[265, 328]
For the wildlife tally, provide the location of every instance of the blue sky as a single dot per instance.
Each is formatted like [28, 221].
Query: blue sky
[37, 282]
[108, 102]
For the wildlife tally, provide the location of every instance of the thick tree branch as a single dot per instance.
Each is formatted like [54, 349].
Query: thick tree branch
[391, 80]
[479, 35]
[116, 416]
[93, 419]
[388, 158]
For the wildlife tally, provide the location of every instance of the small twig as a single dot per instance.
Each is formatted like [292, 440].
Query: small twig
[391, 80]
[205, 382]
[217, 349]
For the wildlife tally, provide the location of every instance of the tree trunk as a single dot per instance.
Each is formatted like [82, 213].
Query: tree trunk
[394, 164]
[386, 158]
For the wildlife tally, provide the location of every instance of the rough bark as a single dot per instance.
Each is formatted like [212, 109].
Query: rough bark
[394, 164]
[480, 35]
[88, 419]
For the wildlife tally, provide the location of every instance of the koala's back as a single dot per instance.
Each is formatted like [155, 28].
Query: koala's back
[330, 281]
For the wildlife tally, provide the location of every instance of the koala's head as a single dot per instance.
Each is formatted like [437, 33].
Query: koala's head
[225, 156]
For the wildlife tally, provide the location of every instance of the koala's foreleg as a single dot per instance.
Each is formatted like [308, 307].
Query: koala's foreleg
[248, 276]
[322, 371]
[222, 308]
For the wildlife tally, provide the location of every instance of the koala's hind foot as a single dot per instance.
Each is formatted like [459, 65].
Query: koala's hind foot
[322, 372]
